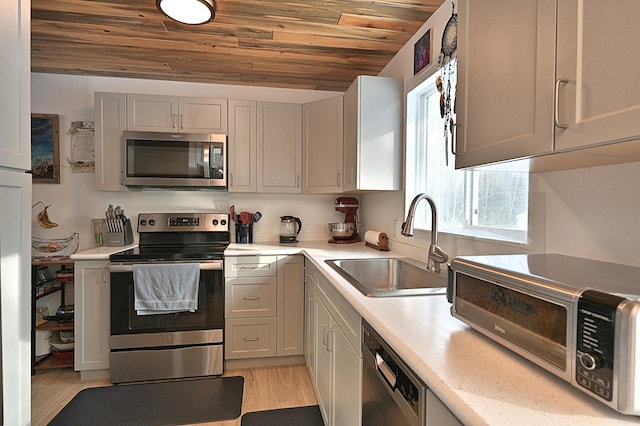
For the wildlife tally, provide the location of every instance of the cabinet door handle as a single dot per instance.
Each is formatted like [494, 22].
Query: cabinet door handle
[230, 179]
[556, 95]
[105, 274]
[338, 180]
[325, 332]
[329, 332]
[181, 121]
[173, 121]
[249, 268]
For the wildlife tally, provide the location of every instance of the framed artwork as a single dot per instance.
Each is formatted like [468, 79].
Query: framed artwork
[45, 148]
[422, 52]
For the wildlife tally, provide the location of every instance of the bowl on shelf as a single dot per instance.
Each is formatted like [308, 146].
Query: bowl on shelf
[61, 343]
[62, 354]
[62, 346]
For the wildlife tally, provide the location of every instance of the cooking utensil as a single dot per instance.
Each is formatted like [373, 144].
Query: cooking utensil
[232, 212]
[245, 218]
[256, 216]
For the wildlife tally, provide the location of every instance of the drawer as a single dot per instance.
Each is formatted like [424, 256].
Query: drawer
[250, 266]
[250, 338]
[250, 297]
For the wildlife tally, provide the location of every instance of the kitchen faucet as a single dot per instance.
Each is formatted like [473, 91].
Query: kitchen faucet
[436, 255]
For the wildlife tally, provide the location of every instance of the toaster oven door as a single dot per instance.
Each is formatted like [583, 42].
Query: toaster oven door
[533, 325]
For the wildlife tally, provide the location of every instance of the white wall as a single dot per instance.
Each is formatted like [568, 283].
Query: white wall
[590, 212]
[74, 202]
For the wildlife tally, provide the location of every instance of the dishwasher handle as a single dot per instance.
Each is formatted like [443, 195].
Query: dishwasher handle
[386, 372]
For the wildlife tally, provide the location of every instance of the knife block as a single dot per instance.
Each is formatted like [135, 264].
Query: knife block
[119, 239]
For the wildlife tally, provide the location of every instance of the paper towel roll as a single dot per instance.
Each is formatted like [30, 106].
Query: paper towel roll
[377, 239]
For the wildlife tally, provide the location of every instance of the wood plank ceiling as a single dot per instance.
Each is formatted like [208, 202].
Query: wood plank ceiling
[311, 44]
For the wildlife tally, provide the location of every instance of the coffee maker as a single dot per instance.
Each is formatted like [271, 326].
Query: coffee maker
[347, 231]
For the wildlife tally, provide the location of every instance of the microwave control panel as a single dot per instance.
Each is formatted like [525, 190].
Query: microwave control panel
[595, 333]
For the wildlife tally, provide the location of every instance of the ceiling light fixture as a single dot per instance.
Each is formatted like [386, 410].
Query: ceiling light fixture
[192, 12]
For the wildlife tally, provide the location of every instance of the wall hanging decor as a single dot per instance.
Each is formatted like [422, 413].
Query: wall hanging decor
[83, 142]
[446, 81]
[45, 148]
[422, 52]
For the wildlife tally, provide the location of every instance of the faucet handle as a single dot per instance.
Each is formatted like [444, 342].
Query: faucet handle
[437, 254]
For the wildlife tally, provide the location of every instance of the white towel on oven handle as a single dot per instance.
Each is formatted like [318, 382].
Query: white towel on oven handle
[165, 288]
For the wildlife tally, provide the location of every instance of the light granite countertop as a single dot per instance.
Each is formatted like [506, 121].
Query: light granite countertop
[480, 381]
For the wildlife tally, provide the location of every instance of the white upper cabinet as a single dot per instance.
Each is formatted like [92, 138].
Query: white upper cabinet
[279, 161]
[242, 146]
[546, 76]
[110, 116]
[156, 113]
[322, 146]
[15, 86]
[202, 115]
[597, 72]
[505, 76]
[373, 134]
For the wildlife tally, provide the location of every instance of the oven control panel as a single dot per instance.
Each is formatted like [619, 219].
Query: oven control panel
[596, 342]
[183, 222]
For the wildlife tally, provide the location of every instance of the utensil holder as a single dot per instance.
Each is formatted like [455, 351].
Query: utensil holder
[122, 238]
[244, 233]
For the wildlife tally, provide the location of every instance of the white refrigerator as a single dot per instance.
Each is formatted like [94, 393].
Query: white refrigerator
[15, 213]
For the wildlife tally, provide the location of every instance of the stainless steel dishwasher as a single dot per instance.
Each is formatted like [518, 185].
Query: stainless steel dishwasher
[391, 393]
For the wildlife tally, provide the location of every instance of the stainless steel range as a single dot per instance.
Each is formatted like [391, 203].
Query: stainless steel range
[167, 298]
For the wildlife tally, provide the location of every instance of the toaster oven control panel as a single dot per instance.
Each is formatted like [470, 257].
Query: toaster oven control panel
[595, 333]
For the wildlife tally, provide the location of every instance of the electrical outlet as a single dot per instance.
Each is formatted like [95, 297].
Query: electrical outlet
[394, 228]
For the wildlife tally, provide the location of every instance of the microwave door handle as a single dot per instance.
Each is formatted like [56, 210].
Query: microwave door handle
[207, 163]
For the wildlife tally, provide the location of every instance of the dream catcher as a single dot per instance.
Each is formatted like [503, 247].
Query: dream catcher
[447, 68]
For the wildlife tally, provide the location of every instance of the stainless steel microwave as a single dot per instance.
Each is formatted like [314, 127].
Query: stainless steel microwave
[177, 160]
[577, 318]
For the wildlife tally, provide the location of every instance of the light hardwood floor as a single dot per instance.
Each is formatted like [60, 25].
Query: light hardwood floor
[264, 388]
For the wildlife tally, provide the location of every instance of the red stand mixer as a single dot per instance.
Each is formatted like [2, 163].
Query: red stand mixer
[347, 231]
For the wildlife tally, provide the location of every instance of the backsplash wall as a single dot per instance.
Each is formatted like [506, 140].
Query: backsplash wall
[74, 202]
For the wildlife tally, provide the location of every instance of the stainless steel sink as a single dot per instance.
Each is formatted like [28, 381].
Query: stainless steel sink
[377, 277]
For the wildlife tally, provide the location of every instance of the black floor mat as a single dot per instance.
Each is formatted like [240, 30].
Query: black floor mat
[160, 403]
[298, 416]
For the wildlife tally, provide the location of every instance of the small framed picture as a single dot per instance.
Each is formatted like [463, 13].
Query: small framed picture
[422, 52]
[45, 148]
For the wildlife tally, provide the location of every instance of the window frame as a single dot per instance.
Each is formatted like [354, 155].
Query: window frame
[414, 107]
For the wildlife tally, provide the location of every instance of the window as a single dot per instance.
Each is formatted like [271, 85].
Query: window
[487, 202]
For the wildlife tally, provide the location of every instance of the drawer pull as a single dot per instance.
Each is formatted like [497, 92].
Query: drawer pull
[249, 268]
[251, 339]
[251, 298]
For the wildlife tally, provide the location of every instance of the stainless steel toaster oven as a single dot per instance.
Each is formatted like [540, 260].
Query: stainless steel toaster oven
[577, 318]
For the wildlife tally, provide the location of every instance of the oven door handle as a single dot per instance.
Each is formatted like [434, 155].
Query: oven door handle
[207, 266]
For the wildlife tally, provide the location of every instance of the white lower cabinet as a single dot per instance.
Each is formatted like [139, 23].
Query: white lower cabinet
[92, 318]
[264, 306]
[333, 356]
[438, 414]
[337, 363]
[310, 274]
